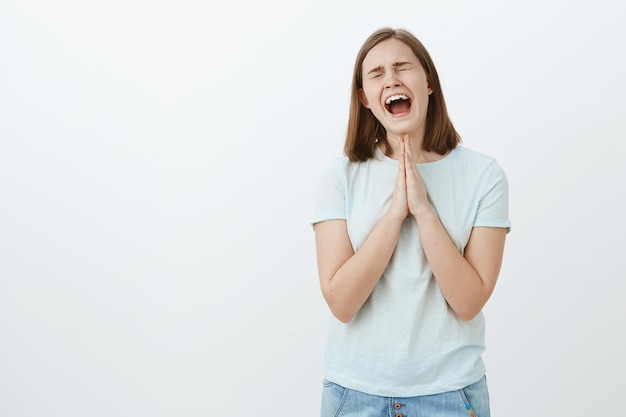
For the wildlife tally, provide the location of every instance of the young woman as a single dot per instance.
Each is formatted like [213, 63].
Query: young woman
[410, 230]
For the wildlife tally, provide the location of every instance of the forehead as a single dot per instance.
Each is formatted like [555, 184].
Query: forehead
[388, 51]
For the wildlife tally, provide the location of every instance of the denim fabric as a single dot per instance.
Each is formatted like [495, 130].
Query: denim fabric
[471, 401]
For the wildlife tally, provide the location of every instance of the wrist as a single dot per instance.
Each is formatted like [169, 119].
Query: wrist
[424, 211]
[394, 219]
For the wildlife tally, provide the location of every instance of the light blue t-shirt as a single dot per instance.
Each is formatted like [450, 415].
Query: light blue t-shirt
[405, 340]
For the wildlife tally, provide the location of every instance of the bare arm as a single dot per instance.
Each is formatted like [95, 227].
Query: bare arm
[466, 281]
[347, 278]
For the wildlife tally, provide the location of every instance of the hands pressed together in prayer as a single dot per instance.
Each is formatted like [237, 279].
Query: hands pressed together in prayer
[409, 194]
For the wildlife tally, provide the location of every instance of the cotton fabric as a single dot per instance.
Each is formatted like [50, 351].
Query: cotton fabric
[405, 340]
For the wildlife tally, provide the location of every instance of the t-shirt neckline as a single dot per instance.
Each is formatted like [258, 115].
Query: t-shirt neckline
[381, 156]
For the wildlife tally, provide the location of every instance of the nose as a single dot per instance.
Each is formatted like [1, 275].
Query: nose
[391, 79]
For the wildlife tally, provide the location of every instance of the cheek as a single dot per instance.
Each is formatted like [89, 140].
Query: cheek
[368, 99]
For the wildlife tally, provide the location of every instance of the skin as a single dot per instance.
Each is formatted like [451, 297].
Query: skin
[348, 278]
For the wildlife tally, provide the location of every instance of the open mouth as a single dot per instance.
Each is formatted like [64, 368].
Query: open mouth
[398, 104]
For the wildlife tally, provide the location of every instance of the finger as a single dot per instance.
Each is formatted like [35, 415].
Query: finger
[411, 170]
[409, 150]
[402, 172]
[401, 159]
[408, 158]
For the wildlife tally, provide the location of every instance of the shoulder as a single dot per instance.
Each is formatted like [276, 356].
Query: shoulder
[344, 166]
[475, 161]
[338, 162]
[335, 167]
[469, 155]
[333, 172]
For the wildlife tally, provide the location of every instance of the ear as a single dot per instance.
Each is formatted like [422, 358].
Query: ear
[363, 99]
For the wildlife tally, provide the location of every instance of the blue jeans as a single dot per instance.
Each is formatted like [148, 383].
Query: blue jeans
[471, 401]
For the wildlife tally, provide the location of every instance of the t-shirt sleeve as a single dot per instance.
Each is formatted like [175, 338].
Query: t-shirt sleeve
[493, 208]
[330, 198]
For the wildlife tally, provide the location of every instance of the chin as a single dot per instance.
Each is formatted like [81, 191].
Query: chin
[402, 130]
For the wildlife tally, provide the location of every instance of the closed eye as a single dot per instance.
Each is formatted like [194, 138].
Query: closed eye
[402, 66]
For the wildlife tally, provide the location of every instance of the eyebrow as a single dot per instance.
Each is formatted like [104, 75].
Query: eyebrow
[395, 65]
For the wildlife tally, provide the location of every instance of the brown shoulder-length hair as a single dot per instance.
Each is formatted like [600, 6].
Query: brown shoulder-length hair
[364, 130]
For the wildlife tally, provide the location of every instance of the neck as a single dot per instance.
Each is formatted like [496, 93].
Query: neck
[420, 156]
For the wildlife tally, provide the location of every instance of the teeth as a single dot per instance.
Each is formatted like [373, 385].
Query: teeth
[396, 97]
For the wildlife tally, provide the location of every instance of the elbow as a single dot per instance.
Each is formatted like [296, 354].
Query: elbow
[339, 309]
[468, 308]
[467, 314]
[342, 316]
[341, 312]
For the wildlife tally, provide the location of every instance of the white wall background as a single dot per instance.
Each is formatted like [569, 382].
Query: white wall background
[158, 161]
